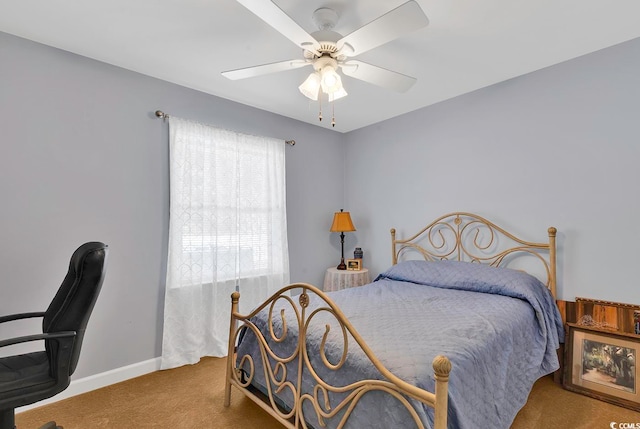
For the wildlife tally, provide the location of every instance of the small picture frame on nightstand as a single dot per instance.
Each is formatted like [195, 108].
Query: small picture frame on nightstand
[354, 264]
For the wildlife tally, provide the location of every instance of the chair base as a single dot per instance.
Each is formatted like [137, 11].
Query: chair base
[50, 425]
[8, 421]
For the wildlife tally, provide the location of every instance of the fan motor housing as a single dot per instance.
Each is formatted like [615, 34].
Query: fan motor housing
[325, 19]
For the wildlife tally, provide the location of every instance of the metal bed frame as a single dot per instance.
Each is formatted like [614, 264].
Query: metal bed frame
[456, 236]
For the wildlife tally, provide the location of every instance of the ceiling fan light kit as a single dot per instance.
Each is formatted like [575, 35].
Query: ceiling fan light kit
[327, 51]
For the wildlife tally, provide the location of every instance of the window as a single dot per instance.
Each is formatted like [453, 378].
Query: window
[230, 207]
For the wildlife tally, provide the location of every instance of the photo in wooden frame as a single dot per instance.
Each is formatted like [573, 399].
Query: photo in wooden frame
[354, 264]
[602, 364]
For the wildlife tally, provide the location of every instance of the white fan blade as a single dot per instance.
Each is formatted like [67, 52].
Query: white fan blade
[264, 69]
[402, 20]
[378, 76]
[270, 13]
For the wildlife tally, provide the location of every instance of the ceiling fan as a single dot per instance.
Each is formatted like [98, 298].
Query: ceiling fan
[327, 51]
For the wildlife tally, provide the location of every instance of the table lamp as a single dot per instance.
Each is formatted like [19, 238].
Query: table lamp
[342, 223]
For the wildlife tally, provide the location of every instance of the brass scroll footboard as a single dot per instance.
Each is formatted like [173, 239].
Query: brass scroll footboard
[289, 320]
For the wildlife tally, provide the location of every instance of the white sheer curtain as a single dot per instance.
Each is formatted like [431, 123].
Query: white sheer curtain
[227, 229]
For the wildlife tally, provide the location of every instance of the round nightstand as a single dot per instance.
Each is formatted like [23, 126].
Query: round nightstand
[336, 279]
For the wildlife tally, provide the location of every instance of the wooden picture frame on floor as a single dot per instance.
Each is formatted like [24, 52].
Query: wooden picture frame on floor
[607, 315]
[602, 364]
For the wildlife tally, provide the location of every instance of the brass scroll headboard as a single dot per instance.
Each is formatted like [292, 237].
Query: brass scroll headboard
[468, 237]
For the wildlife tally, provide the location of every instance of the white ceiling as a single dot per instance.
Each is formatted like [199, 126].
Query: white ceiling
[469, 44]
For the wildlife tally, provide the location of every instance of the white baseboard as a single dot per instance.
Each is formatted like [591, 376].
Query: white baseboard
[93, 382]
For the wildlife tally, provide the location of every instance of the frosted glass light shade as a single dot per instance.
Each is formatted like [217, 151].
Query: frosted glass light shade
[337, 94]
[311, 86]
[331, 81]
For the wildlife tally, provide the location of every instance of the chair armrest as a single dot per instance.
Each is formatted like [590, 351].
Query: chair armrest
[36, 337]
[20, 316]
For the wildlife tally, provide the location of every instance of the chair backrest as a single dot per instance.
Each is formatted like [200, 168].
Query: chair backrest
[76, 297]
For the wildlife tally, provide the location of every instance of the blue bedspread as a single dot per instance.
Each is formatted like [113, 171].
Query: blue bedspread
[499, 327]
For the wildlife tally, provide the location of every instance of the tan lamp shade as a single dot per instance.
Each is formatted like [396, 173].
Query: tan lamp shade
[342, 222]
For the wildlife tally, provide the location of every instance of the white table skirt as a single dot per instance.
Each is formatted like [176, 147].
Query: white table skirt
[336, 279]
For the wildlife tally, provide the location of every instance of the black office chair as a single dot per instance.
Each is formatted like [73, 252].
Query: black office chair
[32, 377]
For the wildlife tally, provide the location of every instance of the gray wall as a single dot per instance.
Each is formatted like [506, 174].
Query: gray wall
[82, 157]
[558, 147]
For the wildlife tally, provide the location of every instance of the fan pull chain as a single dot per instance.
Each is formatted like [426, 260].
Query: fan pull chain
[320, 107]
[333, 113]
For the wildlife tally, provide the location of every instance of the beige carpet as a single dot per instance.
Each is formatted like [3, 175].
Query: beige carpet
[191, 397]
